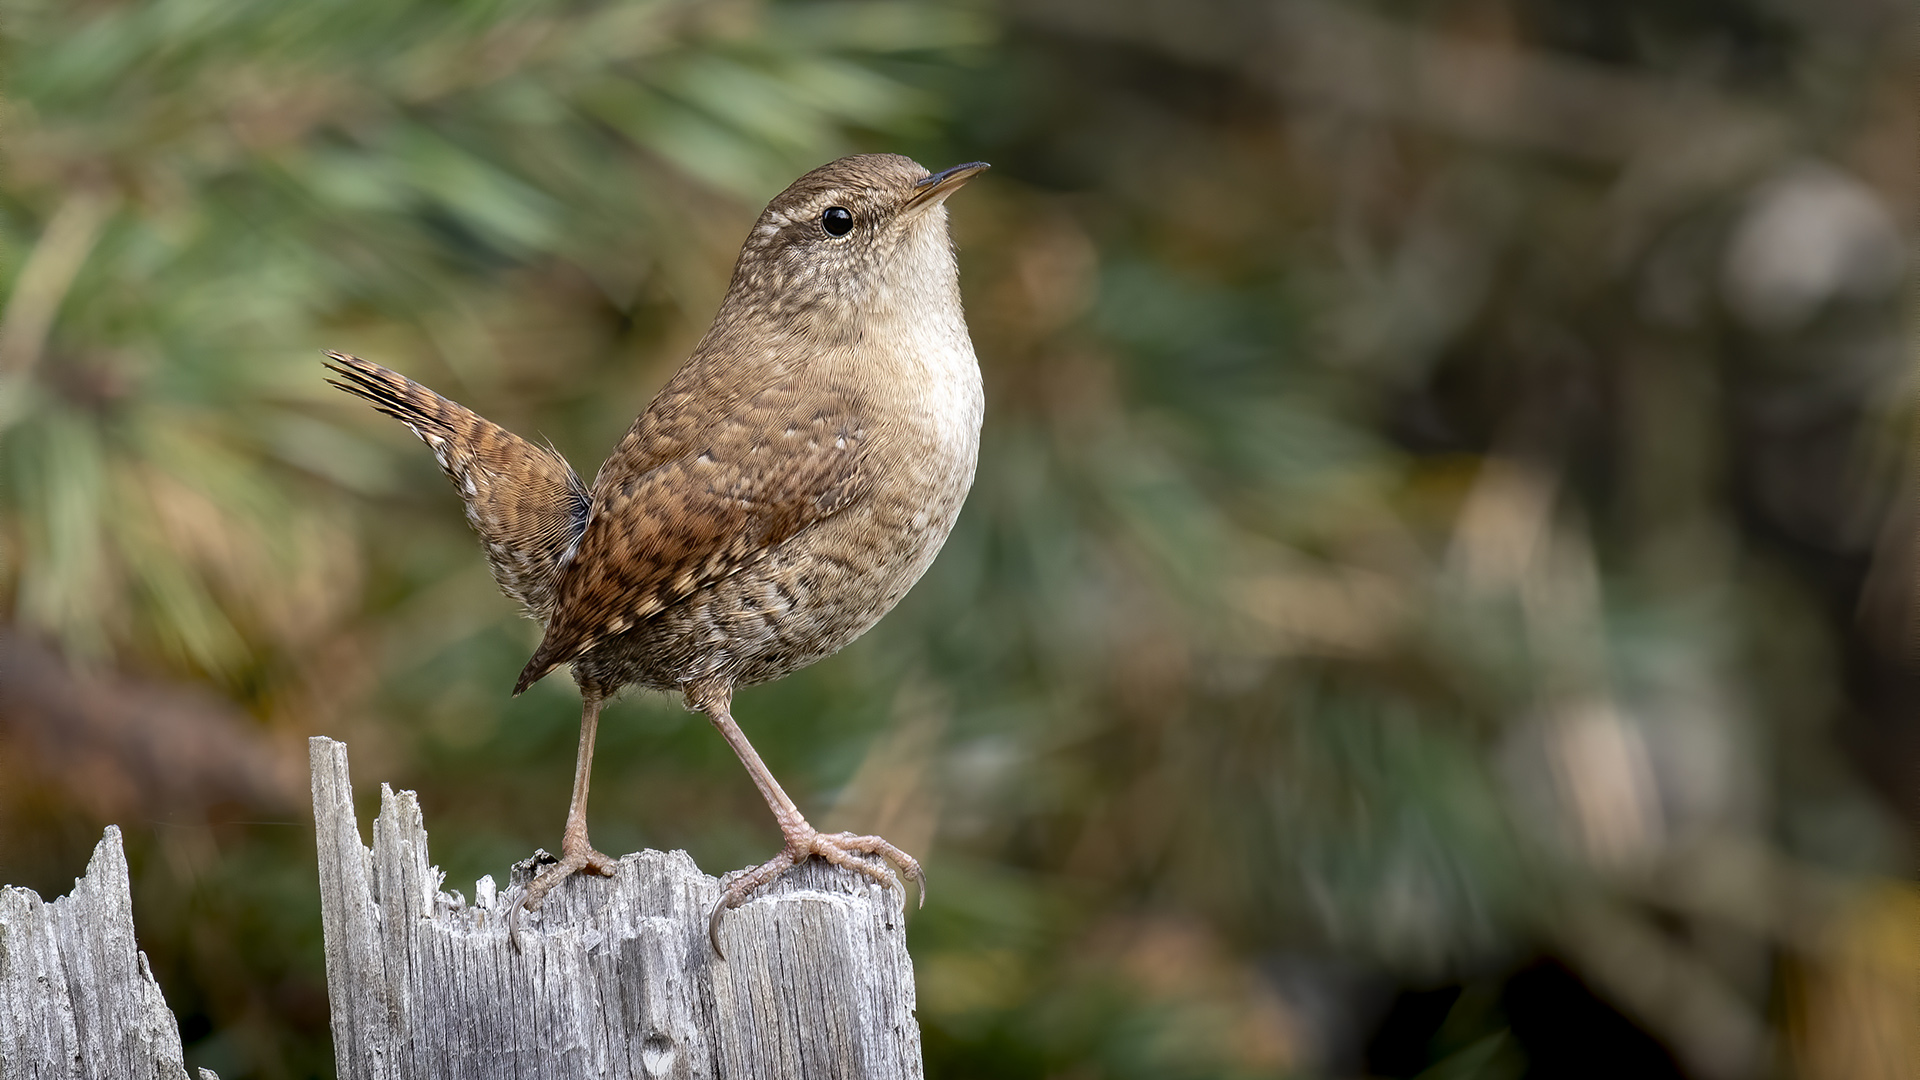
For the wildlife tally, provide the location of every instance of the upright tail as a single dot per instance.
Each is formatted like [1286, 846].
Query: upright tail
[524, 500]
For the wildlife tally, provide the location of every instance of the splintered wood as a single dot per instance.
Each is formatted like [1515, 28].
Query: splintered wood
[614, 976]
[77, 999]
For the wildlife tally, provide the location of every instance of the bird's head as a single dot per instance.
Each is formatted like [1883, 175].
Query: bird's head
[863, 234]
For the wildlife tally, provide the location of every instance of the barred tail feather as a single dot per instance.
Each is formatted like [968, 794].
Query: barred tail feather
[525, 501]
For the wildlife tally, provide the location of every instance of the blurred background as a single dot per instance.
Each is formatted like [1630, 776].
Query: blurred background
[1438, 598]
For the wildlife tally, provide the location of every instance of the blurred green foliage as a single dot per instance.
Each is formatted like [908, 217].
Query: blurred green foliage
[1436, 583]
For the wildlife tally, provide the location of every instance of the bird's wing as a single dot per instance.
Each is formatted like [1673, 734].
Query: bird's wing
[523, 499]
[739, 486]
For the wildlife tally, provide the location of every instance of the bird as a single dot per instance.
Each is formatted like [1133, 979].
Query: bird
[778, 496]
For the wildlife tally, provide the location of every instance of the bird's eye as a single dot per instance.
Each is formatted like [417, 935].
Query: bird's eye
[837, 220]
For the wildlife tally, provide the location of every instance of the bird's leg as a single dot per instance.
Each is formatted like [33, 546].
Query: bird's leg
[576, 854]
[840, 849]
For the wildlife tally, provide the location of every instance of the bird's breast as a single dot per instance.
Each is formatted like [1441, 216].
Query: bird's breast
[920, 370]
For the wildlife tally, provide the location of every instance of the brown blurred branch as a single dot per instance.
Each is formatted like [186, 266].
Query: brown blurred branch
[123, 746]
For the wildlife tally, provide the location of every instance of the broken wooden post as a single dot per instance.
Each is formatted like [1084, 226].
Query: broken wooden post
[614, 977]
[77, 999]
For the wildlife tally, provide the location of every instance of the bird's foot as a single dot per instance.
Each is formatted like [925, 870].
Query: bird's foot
[573, 859]
[840, 849]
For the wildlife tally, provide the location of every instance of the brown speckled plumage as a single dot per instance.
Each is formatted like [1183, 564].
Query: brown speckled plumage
[778, 496]
[525, 501]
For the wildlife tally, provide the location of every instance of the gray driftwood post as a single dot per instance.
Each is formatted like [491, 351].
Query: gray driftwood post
[77, 999]
[614, 978]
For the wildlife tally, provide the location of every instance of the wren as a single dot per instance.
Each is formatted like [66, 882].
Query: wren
[779, 495]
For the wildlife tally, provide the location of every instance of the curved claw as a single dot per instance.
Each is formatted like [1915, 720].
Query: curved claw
[840, 849]
[514, 911]
[713, 928]
[904, 864]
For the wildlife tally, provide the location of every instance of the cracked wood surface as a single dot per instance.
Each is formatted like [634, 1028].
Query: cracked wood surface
[614, 978]
[77, 998]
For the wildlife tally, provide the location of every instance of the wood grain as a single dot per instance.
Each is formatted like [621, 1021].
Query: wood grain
[614, 977]
[77, 998]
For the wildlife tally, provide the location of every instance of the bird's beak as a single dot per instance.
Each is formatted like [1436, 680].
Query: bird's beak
[934, 190]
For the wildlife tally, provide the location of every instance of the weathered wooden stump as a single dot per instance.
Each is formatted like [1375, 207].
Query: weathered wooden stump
[77, 999]
[614, 977]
